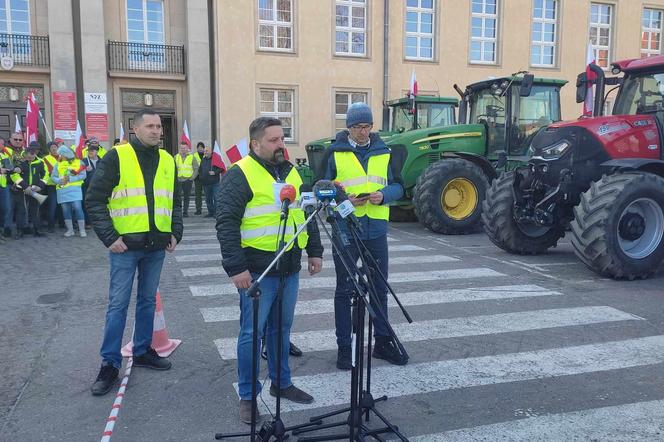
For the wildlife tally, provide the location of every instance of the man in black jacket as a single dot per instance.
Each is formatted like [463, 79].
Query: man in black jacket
[209, 174]
[137, 228]
[246, 220]
[28, 180]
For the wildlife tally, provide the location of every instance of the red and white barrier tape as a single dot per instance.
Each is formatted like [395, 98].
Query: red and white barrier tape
[115, 410]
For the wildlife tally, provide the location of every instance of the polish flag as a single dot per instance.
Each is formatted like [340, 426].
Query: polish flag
[412, 91]
[217, 160]
[122, 133]
[79, 139]
[31, 120]
[185, 135]
[238, 151]
[589, 102]
[17, 125]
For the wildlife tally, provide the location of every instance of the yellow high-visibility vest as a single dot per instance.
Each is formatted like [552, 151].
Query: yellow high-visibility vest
[128, 204]
[186, 166]
[4, 156]
[49, 160]
[355, 180]
[68, 168]
[260, 223]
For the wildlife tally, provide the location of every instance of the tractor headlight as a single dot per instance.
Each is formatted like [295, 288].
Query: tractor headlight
[557, 150]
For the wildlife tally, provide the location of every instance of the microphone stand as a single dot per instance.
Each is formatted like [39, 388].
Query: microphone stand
[274, 428]
[361, 400]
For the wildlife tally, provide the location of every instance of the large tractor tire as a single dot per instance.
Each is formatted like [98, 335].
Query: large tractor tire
[504, 231]
[401, 215]
[618, 227]
[448, 196]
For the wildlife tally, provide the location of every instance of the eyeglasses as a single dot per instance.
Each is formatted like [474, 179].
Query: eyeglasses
[17, 139]
[364, 127]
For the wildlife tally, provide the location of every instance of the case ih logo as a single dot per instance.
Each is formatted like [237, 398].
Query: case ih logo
[639, 123]
[606, 129]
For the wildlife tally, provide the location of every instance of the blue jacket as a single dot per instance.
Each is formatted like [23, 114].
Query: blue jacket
[371, 228]
[70, 193]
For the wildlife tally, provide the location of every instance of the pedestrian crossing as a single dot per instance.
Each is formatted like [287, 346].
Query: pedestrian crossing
[455, 303]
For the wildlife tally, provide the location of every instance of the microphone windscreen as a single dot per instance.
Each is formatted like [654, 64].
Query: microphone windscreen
[287, 192]
[325, 190]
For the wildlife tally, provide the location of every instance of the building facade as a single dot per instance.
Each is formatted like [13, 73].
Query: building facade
[220, 63]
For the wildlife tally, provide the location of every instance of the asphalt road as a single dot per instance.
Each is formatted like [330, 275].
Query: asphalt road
[502, 348]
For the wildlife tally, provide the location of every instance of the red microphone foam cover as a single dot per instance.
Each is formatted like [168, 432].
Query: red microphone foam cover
[287, 193]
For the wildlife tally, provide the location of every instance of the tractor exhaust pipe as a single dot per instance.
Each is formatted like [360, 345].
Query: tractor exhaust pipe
[600, 81]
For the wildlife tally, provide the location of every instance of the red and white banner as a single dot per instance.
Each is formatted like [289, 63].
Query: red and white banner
[412, 90]
[96, 115]
[79, 140]
[31, 120]
[217, 160]
[64, 114]
[238, 151]
[185, 138]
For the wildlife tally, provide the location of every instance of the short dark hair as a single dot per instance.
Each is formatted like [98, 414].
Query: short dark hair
[200, 143]
[138, 116]
[116, 141]
[258, 126]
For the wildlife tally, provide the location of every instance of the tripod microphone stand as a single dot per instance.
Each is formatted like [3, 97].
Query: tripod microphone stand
[361, 401]
[274, 428]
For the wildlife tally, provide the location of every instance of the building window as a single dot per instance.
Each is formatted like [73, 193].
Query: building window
[601, 18]
[544, 39]
[275, 25]
[342, 100]
[351, 27]
[15, 17]
[278, 103]
[484, 19]
[420, 15]
[145, 21]
[651, 32]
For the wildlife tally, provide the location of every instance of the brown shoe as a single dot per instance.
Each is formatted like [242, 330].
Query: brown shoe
[293, 394]
[245, 412]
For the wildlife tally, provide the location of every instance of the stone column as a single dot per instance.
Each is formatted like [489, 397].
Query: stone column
[198, 112]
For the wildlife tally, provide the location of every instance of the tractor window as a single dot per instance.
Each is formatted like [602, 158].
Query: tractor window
[642, 94]
[489, 109]
[434, 114]
[402, 119]
[531, 113]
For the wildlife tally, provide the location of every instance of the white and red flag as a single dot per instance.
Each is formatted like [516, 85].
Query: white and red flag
[589, 102]
[412, 90]
[17, 125]
[31, 120]
[79, 139]
[238, 151]
[122, 133]
[217, 159]
[185, 138]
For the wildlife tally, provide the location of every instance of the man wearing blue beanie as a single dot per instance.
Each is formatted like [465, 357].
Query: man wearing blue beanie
[362, 163]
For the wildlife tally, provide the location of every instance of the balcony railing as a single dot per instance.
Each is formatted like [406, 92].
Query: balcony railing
[145, 58]
[25, 50]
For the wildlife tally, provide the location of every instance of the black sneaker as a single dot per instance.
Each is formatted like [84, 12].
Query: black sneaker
[293, 394]
[106, 379]
[294, 350]
[37, 233]
[198, 212]
[185, 215]
[385, 349]
[245, 411]
[151, 359]
[344, 358]
[7, 233]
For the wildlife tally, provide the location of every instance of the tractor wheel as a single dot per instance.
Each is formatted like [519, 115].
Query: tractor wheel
[401, 215]
[504, 231]
[618, 226]
[448, 196]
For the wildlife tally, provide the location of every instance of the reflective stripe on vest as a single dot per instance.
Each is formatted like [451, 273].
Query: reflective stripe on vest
[186, 166]
[69, 168]
[355, 180]
[260, 223]
[128, 205]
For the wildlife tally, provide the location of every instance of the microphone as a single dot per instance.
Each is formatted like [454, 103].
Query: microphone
[325, 191]
[345, 208]
[287, 195]
[307, 200]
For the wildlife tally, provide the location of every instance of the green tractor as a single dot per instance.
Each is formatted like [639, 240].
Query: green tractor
[446, 169]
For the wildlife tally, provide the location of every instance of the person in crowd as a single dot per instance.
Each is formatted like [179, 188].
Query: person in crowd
[209, 176]
[116, 142]
[16, 144]
[198, 187]
[6, 167]
[187, 172]
[90, 162]
[362, 163]
[93, 142]
[68, 176]
[27, 180]
[16, 209]
[137, 230]
[247, 222]
[53, 211]
[59, 142]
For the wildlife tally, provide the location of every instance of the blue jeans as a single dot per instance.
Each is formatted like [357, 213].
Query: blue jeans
[267, 315]
[72, 207]
[345, 288]
[6, 207]
[123, 268]
[211, 197]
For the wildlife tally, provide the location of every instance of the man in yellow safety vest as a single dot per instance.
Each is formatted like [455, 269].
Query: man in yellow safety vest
[187, 165]
[248, 220]
[135, 210]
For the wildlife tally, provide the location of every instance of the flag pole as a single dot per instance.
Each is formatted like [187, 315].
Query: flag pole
[48, 132]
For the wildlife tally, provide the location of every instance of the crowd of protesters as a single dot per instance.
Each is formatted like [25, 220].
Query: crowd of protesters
[43, 187]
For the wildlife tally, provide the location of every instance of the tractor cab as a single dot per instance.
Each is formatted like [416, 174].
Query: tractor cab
[420, 112]
[512, 109]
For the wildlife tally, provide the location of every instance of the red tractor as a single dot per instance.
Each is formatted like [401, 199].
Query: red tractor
[603, 176]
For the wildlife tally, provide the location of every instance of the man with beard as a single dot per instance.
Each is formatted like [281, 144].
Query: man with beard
[247, 229]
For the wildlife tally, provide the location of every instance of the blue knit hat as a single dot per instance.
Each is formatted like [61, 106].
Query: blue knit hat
[66, 152]
[358, 113]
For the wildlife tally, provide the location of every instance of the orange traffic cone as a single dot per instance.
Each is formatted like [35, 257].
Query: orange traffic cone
[160, 341]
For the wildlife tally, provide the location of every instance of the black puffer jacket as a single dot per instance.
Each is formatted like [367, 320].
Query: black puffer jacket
[106, 178]
[234, 195]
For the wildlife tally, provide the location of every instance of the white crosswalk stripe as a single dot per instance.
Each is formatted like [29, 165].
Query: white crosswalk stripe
[330, 281]
[318, 306]
[486, 370]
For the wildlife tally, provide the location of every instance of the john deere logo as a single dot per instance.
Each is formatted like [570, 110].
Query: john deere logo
[425, 147]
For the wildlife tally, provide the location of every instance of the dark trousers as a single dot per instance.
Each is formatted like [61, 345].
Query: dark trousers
[211, 197]
[19, 209]
[33, 212]
[53, 209]
[185, 188]
[199, 195]
[345, 288]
